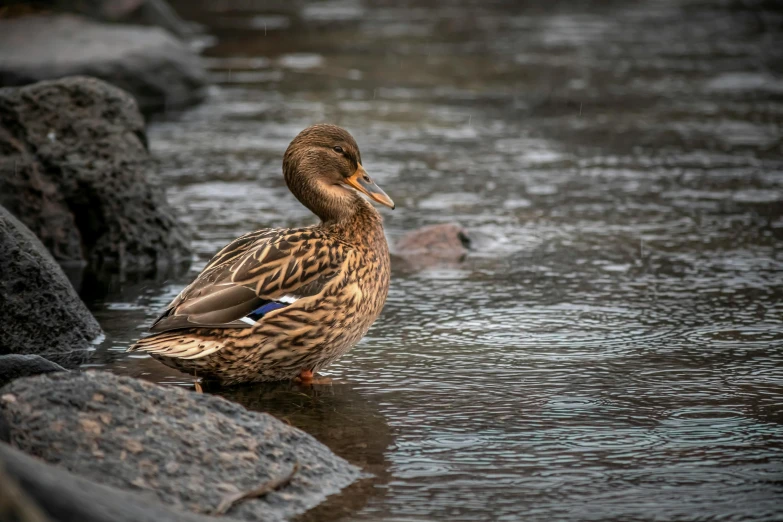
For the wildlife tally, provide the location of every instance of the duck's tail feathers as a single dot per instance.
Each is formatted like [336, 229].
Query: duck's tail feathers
[180, 345]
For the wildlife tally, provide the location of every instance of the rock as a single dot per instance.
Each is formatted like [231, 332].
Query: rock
[190, 450]
[156, 68]
[434, 244]
[41, 312]
[134, 12]
[15, 366]
[159, 13]
[74, 167]
[448, 238]
[15, 505]
[65, 497]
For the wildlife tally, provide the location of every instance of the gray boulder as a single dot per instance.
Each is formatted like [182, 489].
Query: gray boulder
[189, 450]
[74, 167]
[156, 68]
[15, 366]
[37, 492]
[42, 314]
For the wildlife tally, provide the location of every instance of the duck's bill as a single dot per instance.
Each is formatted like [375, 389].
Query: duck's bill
[362, 182]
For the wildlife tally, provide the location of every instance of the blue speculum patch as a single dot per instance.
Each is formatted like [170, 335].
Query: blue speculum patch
[264, 309]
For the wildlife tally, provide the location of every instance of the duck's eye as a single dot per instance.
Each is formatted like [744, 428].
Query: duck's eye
[338, 149]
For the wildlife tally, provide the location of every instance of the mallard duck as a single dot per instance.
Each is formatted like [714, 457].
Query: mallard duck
[283, 303]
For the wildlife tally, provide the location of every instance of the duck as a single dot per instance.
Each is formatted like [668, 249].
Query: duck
[283, 303]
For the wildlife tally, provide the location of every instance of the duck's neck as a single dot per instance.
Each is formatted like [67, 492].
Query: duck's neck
[341, 209]
[363, 224]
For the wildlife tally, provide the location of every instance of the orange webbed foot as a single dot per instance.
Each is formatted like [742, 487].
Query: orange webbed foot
[309, 378]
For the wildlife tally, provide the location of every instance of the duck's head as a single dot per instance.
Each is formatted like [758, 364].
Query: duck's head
[323, 169]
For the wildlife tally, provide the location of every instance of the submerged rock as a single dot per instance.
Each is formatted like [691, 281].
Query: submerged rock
[156, 68]
[41, 312]
[443, 243]
[42, 490]
[189, 450]
[74, 167]
[16, 366]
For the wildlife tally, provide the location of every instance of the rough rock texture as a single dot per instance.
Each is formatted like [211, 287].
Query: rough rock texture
[74, 167]
[156, 68]
[15, 366]
[189, 449]
[41, 312]
[434, 244]
[62, 496]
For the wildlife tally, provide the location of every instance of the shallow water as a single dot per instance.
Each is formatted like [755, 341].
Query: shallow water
[613, 347]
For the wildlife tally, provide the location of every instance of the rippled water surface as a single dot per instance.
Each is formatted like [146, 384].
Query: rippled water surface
[612, 348]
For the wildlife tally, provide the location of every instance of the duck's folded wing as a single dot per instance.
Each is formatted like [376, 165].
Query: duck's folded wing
[253, 276]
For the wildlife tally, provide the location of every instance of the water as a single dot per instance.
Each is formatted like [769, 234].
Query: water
[613, 347]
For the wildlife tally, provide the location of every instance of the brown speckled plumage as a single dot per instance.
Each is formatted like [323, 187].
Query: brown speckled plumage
[336, 273]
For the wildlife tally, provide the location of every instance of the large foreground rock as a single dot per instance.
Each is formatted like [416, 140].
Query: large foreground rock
[35, 489]
[190, 450]
[74, 167]
[41, 312]
[156, 68]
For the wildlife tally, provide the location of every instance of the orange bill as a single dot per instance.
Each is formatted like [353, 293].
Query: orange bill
[362, 182]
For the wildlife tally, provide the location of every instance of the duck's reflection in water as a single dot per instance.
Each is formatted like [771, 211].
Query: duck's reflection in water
[339, 416]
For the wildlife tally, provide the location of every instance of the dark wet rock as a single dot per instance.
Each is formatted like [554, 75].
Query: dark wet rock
[15, 366]
[41, 312]
[43, 489]
[443, 243]
[74, 167]
[189, 450]
[156, 68]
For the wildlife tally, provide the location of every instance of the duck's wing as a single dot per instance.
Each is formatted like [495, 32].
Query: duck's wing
[254, 275]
